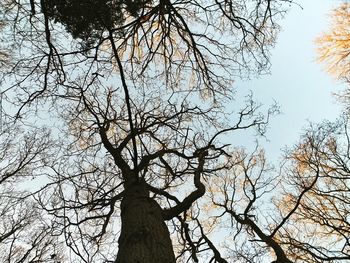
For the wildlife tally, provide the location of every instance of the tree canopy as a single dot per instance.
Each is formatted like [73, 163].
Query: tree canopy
[334, 45]
[130, 156]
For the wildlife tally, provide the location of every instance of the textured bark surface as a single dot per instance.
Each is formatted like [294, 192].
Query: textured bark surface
[144, 236]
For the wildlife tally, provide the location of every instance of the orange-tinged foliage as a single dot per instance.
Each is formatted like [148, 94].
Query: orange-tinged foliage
[334, 45]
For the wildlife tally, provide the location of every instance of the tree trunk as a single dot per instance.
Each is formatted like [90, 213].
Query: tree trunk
[144, 237]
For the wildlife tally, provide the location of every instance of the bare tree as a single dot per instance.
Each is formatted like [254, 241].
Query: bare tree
[319, 173]
[24, 234]
[299, 214]
[195, 46]
[140, 90]
[177, 148]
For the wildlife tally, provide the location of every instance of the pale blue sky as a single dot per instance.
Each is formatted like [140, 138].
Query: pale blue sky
[297, 82]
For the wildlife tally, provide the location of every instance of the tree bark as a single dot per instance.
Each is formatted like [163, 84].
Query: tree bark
[144, 237]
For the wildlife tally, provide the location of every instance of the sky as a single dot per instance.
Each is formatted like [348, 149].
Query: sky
[297, 82]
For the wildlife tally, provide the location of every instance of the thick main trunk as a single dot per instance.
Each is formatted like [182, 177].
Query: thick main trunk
[144, 237]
